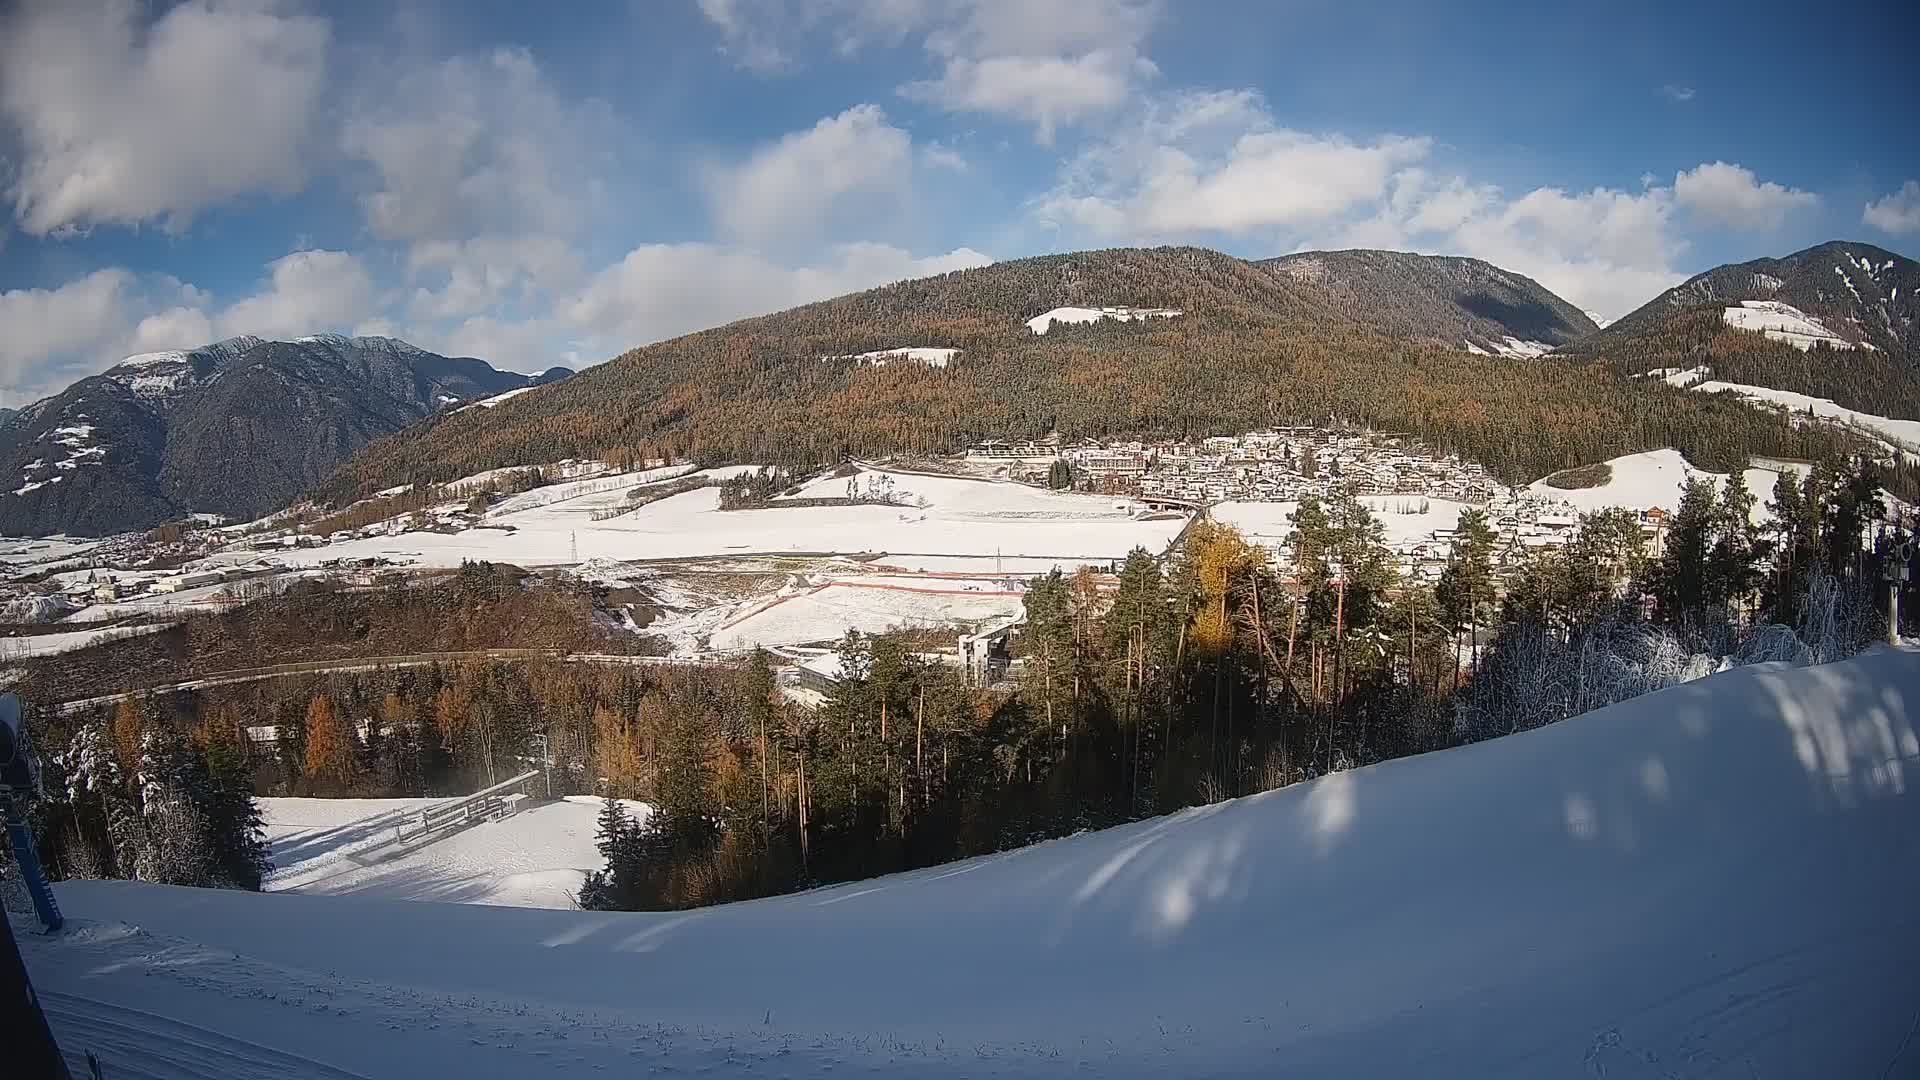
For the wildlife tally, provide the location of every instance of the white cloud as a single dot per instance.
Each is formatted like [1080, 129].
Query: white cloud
[1047, 91]
[1216, 163]
[476, 144]
[488, 174]
[1199, 166]
[746, 30]
[660, 291]
[178, 327]
[794, 188]
[1604, 249]
[1675, 92]
[48, 326]
[1898, 212]
[1047, 63]
[122, 123]
[1731, 195]
[305, 292]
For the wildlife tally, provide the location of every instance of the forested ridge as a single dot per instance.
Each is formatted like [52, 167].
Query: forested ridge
[1863, 293]
[1253, 348]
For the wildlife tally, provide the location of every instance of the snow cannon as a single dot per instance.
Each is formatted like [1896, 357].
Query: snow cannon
[19, 783]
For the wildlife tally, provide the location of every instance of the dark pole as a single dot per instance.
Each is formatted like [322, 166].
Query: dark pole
[28, 1042]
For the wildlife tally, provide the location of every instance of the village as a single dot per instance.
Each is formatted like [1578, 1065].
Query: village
[1253, 481]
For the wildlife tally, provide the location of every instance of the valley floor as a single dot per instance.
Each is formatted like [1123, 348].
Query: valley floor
[1716, 880]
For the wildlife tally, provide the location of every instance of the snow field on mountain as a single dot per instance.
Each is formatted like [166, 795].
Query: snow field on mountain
[1902, 433]
[1043, 322]
[1714, 880]
[1783, 322]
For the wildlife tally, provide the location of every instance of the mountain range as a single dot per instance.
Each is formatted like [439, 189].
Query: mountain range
[1173, 342]
[236, 428]
[1164, 342]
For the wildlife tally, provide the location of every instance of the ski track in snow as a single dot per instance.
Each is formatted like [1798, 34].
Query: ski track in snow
[1715, 880]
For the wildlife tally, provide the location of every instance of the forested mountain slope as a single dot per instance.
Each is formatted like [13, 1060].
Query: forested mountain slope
[1448, 301]
[1251, 347]
[237, 428]
[1834, 321]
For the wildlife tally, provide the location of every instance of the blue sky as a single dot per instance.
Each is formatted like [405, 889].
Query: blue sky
[539, 186]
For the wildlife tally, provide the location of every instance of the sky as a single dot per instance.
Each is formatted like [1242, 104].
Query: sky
[537, 184]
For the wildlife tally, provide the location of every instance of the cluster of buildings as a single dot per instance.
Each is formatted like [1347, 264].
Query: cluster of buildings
[1280, 465]
[1288, 464]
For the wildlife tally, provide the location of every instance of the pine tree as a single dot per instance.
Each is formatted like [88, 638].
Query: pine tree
[1679, 581]
[99, 791]
[238, 835]
[174, 795]
[1465, 589]
[1731, 576]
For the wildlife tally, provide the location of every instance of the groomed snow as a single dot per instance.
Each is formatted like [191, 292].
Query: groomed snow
[1710, 881]
[536, 858]
[1041, 323]
[1783, 322]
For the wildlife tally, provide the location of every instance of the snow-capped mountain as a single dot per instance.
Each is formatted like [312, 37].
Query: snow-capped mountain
[236, 427]
[1851, 295]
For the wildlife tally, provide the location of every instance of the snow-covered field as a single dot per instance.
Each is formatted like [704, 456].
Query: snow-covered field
[1043, 322]
[24, 550]
[1716, 880]
[15, 648]
[1657, 478]
[829, 611]
[1400, 515]
[1783, 322]
[944, 516]
[536, 858]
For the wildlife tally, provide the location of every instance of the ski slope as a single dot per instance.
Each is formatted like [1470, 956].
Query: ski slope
[1714, 881]
[536, 858]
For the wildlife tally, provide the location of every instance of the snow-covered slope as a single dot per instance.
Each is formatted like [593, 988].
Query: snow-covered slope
[1783, 322]
[1043, 322]
[1656, 478]
[1903, 434]
[928, 355]
[536, 858]
[1716, 880]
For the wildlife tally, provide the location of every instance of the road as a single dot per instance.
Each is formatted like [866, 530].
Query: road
[375, 663]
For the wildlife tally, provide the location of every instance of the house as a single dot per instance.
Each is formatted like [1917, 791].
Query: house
[822, 673]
